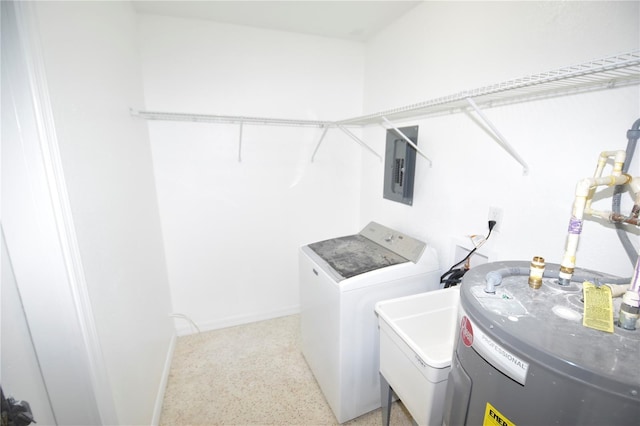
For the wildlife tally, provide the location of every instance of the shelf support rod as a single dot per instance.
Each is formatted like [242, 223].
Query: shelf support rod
[501, 140]
[357, 139]
[324, 132]
[240, 144]
[409, 141]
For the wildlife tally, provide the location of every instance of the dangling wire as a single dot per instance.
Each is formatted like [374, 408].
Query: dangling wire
[454, 276]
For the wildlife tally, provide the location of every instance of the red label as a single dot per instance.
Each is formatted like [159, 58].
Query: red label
[466, 332]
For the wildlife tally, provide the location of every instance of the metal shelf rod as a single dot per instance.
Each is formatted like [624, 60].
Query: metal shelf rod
[240, 144]
[501, 140]
[360, 141]
[228, 119]
[324, 132]
[409, 141]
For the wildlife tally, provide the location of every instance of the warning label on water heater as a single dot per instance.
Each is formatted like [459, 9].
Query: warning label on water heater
[496, 354]
[598, 307]
[493, 417]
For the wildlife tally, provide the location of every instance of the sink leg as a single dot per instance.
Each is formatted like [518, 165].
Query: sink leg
[386, 395]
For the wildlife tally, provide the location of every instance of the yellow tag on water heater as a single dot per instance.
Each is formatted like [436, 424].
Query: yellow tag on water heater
[598, 307]
[493, 417]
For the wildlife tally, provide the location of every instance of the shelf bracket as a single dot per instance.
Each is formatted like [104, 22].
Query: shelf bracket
[501, 140]
[409, 141]
[326, 128]
[240, 144]
[357, 139]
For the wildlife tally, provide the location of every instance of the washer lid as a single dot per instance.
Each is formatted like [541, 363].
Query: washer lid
[354, 255]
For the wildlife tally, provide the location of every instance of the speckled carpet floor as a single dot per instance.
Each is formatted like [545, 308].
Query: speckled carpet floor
[252, 374]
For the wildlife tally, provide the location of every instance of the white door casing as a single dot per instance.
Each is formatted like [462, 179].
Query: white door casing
[40, 235]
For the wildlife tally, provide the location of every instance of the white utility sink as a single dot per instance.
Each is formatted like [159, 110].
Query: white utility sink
[416, 345]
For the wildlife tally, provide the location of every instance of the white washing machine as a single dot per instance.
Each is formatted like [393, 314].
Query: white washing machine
[341, 280]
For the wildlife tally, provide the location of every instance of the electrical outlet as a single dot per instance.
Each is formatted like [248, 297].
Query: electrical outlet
[495, 213]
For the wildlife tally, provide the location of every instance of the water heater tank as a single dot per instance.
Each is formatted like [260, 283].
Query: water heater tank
[523, 357]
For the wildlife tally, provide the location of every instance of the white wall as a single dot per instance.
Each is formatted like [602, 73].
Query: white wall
[447, 47]
[232, 228]
[93, 74]
[20, 373]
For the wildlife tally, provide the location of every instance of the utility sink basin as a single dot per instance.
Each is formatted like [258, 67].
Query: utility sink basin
[416, 345]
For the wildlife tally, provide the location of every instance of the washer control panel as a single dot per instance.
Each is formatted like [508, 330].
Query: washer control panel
[404, 245]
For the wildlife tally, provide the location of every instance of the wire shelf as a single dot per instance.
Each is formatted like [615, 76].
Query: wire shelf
[607, 73]
[228, 119]
[611, 72]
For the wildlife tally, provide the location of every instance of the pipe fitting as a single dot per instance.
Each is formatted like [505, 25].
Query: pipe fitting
[629, 310]
[633, 134]
[618, 290]
[493, 279]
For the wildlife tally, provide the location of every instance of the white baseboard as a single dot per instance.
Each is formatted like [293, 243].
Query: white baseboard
[157, 409]
[236, 320]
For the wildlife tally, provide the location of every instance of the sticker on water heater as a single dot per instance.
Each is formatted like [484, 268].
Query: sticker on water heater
[495, 354]
[493, 417]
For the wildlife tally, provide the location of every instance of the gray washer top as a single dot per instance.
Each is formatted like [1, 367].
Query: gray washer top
[354, 255]
[375, 247]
